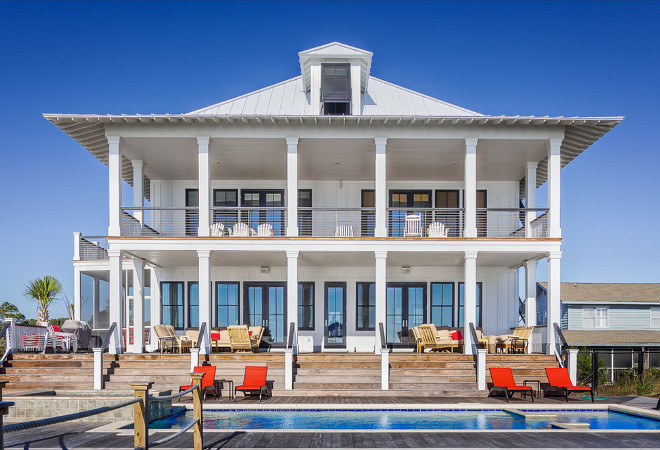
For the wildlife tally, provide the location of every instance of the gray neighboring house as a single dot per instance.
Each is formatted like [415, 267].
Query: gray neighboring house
[613, 318]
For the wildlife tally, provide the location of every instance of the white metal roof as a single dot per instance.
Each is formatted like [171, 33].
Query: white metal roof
[290, 99]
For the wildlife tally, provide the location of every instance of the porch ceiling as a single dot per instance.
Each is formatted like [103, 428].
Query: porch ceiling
[332, 159]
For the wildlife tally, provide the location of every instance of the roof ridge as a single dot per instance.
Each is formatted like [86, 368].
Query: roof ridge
[451, 105]
[233, 99]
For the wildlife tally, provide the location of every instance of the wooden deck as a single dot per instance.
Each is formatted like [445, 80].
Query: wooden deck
[78, 436]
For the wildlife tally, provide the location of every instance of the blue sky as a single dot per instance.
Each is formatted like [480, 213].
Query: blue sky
[536, 58]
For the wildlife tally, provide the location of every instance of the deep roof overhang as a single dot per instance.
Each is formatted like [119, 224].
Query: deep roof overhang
[579, 132]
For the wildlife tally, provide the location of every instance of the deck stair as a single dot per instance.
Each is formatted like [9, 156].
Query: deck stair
[58, 371]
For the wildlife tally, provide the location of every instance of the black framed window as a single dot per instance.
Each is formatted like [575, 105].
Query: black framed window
[336, 89]
[461, 305]
[269, 198]
[411, 200]
[446, 199]
[305, 217]
[172, 303]
[442, 304]
[305, 306]
[366, 307]
[193, 304]
[192, 216]
[226, 303]
[225, 198]
[368, 218]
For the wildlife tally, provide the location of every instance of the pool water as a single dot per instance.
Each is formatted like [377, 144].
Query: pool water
[400, 420]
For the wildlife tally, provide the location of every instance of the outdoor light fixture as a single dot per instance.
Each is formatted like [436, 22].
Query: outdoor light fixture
[265, 269]
[406, 269]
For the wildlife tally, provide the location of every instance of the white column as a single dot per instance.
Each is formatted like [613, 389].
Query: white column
[76, 245]
[554, 299]
[77, 299]
[530, 196]
[138, 189]
[115, 291]
[470, 187]
[315, 88]
[292, 295]
[481, 369]
[554, 184]
[114, 185]
[204, 186]
[292, 186]
[155, 308]
[381, 295]
[204, 257]
[530, 293]
[356, 89]
[470, 300]
[572, 364]
[381, 188]
[138, 306]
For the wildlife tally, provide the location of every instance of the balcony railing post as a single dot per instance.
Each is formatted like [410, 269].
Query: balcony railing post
[141, 414]
[198, 428]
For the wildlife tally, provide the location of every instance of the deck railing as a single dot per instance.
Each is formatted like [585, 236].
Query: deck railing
[513, 223]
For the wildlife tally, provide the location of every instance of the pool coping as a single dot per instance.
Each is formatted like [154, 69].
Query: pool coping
[117, 427]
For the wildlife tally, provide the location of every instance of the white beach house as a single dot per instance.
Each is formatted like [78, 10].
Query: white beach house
[334, 201]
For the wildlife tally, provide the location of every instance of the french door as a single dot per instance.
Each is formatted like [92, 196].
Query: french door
[406, 308]
[264, 306]
[335, 315]
[410, 200]
[270, 198]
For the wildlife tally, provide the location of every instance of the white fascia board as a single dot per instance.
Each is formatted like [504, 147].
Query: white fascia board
[608, 303]
[312, 131]
[331, 245]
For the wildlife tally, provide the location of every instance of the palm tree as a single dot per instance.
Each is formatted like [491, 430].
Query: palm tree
[44, 291]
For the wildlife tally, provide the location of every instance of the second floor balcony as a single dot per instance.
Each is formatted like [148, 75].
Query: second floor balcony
[328, 222]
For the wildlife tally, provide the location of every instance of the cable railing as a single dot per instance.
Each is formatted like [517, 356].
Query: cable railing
[560, 344]
[93, 248]
[336, 222]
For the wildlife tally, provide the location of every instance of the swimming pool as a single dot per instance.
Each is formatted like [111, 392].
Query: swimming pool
[408, 419]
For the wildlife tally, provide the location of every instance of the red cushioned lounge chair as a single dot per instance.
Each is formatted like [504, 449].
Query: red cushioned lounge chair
[503, 382]
[561, 382]
[208, 380]
[254, 381]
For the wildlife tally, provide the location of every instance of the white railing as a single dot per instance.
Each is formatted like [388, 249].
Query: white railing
[426, 222]
[513, 223]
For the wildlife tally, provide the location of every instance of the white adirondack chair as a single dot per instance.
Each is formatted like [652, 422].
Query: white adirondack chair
[240, 230]
[217, 229]
[413, 226]
[265, 230]
[344, 230]
[437, 230]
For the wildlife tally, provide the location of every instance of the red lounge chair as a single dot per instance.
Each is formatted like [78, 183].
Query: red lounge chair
[254, 381]
[503, 381]
[561, 382]
[208, 380]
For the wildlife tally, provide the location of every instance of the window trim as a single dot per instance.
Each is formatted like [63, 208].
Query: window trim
[657, 310]
[313, 305]
[595, 318]
[183, 306]
[453, 307]
[357, 306]
[215, 301]
[189, 304]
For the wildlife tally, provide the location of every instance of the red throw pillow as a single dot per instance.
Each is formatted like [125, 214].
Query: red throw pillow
[215, 336]
[249, 333]
[456, 335]
[56, 329]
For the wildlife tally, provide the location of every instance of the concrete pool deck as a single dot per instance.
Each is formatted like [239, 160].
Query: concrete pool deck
[91, 436]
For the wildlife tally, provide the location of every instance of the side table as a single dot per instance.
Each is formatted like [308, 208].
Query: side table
[219, 384]
[538, 386]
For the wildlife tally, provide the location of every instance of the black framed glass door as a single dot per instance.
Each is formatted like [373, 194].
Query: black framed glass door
[225, 198]
[406, 308]
[264, 306]
[271, 198]
[410, 200]
[335, 315]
